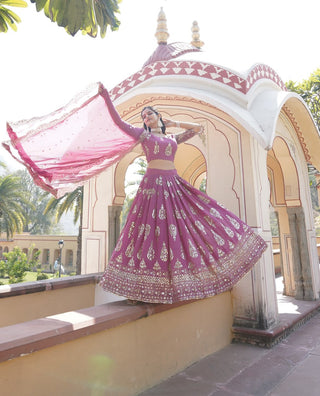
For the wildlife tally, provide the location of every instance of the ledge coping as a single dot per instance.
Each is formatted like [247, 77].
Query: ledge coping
[27, 337]
[18, 289]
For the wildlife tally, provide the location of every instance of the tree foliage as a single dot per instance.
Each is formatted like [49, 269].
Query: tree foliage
[309, 90]
[33, 206]
[85, 15]
[69, 202]
[17, 263]
[8, 18]
[12, 218]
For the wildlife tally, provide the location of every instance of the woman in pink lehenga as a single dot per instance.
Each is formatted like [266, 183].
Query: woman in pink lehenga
[177, 243]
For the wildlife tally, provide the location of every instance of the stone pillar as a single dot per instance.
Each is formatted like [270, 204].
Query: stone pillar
[254, 297]
[301, 259]
[286, 243]
[114, 213]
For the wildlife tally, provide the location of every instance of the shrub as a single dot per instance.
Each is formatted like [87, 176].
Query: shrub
[42, 276]
[16, 265]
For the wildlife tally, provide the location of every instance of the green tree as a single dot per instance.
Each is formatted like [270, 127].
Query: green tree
[36, 222]
[8, 18]
[12, 217]
[84, 15]
[69, 202]
[73, 15]
[309, 90]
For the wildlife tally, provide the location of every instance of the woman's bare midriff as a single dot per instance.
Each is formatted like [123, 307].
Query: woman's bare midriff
[161, 164]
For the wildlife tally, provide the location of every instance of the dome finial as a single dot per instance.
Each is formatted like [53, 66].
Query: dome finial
[162, 32]
[196, 42]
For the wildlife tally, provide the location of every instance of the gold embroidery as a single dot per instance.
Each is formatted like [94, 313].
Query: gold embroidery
[141, 229]
[119, 244]
[168, 150]
[147, 231]
[178, 215]
[171, 254]
[199, 206]
[192, 250]
[159, 180]
[220, 241]
[162, 213]
[156, 148]
[157, 231]
[130, 248]
[143, 264]
[173, 231]
[131, 262]
[215, 213]
[178, 264]
[164, 253]
[209, 221]
[200, 226]
[234, 222]
[151, 253]
[157, 267]
[131, 229]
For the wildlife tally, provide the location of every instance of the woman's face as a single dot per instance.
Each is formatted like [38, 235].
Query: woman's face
[150, 118]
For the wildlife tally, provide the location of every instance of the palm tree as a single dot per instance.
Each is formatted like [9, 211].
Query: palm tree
[59, 206]
[9, 18]
[73, 16]
[11, 213]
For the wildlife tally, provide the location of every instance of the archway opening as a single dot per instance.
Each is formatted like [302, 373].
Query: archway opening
[292, 266]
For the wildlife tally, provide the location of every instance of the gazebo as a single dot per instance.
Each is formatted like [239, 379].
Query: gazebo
[259, 141]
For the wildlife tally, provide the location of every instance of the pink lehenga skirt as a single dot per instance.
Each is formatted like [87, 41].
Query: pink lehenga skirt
[179, 244]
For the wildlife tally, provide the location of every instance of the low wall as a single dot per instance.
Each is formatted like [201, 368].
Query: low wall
[31, 300]
[111, 349]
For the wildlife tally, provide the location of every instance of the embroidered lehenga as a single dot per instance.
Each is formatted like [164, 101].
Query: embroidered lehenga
[177, 243]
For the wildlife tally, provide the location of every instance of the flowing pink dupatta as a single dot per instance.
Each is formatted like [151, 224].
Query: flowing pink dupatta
[71, 145]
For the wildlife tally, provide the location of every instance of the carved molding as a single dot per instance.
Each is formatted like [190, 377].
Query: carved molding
[298, 131]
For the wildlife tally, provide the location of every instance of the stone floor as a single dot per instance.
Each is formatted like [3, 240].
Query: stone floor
[292, 367]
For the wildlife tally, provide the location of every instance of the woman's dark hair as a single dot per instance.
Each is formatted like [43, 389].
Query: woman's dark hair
[163, 127]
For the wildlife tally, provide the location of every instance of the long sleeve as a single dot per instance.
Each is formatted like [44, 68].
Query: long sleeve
[184, 136]
[126, 127]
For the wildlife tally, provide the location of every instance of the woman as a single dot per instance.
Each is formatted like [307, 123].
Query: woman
[177, 243]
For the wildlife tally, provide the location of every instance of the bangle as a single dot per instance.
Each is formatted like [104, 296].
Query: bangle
[177, 124]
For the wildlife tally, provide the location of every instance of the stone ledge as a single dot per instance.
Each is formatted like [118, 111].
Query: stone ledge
[18, 289]
[28, 337]
[286, 325]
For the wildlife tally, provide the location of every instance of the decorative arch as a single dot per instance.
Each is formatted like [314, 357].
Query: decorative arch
[286, 201]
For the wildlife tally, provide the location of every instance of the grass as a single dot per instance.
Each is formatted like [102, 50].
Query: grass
[29, 277]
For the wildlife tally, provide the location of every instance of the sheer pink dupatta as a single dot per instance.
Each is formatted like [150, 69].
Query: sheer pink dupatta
[69, 146]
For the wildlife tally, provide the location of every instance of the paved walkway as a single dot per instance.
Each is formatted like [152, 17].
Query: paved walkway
[292, 367]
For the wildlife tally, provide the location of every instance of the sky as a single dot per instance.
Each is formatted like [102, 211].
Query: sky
[42, 67]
